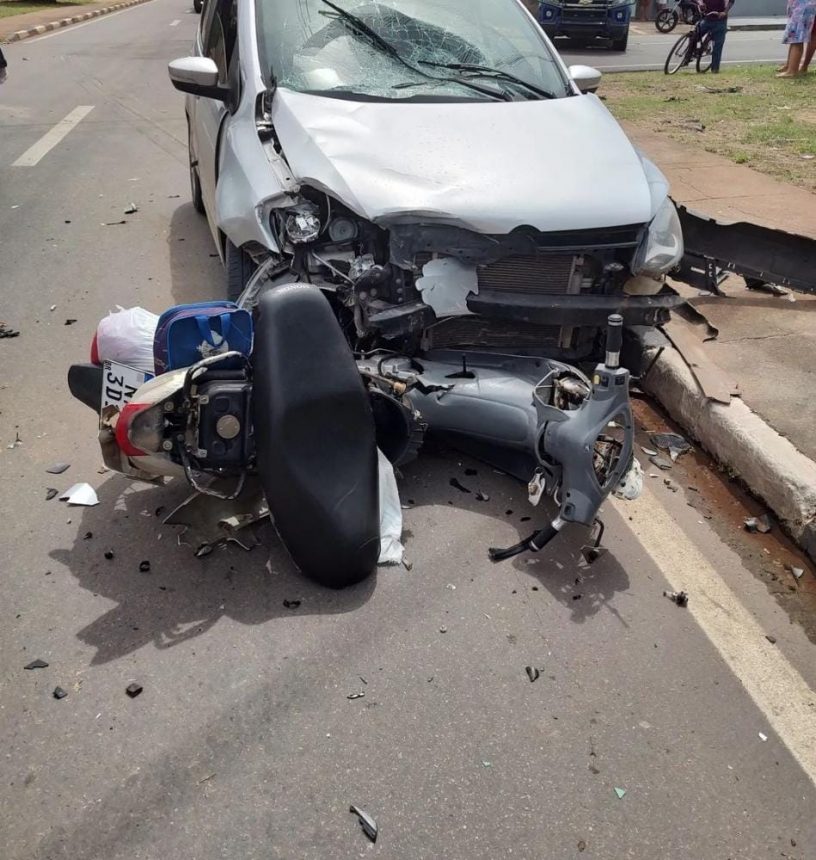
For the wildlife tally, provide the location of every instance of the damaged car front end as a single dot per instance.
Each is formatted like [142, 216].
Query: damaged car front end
[482, 228]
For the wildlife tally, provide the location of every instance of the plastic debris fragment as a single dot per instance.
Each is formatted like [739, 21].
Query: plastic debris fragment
[758, 524]
[678, 597]
[58, 468]
[50, 493]
[358, 695]
[80, 494]
[368, 824]
[133, 689]
[620, 792]
[291, 604]
[144, 566]
[532, 673]
[762, 737]
[36, 664]
[59, 693]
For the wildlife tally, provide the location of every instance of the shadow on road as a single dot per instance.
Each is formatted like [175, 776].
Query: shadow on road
[196, 272]
[180, 597]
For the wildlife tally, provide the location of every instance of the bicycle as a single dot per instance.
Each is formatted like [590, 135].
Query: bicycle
[691, 46]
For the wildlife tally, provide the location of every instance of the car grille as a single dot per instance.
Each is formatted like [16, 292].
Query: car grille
[549, 274]
[491, 334]
[588, 12]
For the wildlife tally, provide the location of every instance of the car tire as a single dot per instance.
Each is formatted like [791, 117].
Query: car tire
[620, 44]
[198, 5]
[240, 269]
[195, 181]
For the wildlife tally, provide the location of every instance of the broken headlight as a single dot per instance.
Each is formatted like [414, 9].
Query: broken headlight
[302, 223]
[662, 246]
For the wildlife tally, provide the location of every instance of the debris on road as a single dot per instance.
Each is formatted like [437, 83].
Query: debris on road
[133, 689]
[80, 494]
[649, 452]
[5, 331]
[461, 487]
[36, 664]
[58, 468]
[487, 764]
[132, 209]
[678, 597]
[771, 639]
[368, 824]
[358, 695]
[114, 223]
[59, 693]
[581, 845]
[798, 572]
[532, 673]
[674, 443]
[482, 497]
[108, 554]
[660, 462]
[758, 524]
[50, 492]
[291, 604]
[443, 629]
[762, 737]
[671, 485]
[144, 566]
[620, 792]
[70, 321]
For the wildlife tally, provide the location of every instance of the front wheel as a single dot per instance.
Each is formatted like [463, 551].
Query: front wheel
[706, 54]
[678, 55]
[198, 5]
[240, 269]
[666, 20]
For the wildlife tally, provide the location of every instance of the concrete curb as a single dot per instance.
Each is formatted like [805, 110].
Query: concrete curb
[65, 22]
[769, 465]
[751, 27]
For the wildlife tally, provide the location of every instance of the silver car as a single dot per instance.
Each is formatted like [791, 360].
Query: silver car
[431, 165]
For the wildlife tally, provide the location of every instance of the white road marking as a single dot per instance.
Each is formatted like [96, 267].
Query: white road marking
[63, 30]
[34, 154]
[778, 690]
[175, 23]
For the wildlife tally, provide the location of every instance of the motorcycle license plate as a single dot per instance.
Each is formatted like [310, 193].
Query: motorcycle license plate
[120, 382]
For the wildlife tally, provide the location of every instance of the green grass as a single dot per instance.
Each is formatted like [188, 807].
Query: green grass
[770, 124]
[20, 7]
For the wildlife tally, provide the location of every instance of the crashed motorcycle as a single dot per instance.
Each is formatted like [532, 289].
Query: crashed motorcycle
[301, 416]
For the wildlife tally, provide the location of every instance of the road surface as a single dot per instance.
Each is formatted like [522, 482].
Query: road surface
[652, 732]
[649, 51]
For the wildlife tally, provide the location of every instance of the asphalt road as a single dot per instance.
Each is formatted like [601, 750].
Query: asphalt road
[244, 743]
[650, 51]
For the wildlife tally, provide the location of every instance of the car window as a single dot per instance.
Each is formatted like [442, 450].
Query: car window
[220, 39]
[394, 49]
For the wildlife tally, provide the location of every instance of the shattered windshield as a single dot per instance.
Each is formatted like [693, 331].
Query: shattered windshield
[407, 49]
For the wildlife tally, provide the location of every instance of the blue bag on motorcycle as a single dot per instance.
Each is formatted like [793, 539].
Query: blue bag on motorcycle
[187, 333]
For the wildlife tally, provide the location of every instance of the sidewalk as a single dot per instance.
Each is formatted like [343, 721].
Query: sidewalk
[17, 27]
[771, 22]
[763, 345]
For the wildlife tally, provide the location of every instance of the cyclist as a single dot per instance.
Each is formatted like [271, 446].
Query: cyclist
[715, 22]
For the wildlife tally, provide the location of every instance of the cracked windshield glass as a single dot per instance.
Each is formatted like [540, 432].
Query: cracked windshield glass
[420, 50]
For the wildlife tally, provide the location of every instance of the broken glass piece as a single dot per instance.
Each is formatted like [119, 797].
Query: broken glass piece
[368, 824]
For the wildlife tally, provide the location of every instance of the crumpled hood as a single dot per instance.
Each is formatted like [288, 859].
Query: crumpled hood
[560, 164]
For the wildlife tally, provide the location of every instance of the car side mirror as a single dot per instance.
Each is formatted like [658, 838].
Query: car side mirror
[585, 78]
[198, 76]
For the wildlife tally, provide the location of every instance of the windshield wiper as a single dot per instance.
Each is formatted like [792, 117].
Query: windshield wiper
[358, 26]
[498, 74]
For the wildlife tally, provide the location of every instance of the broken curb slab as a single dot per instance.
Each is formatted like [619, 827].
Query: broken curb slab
[766, 462]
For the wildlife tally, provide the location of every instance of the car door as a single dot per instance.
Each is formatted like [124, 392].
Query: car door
[216, 40]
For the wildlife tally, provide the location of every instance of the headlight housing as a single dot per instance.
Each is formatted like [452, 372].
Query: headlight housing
[302, 223]
[662, 246]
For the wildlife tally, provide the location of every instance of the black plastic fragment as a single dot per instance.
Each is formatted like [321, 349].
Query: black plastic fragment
[108, 554]
[461, 487]
[144, 566]
[59, 693]
[50, 493]
[358, 695]
[291, 604]
[69, 322]
[88, 535]
[133, 689]
[678, 597]
[532, 673]
[36, 664]
[368, 824]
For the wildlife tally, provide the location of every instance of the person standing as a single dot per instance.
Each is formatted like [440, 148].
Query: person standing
[3, 66]
[811, 50]
[800, 29]
[715, 23]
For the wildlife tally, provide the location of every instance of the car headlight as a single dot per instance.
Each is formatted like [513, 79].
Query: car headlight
[302, 223]
[662, 246]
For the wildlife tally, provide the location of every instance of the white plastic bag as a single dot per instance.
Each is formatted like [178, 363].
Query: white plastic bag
[126, 336]
[391, 548]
